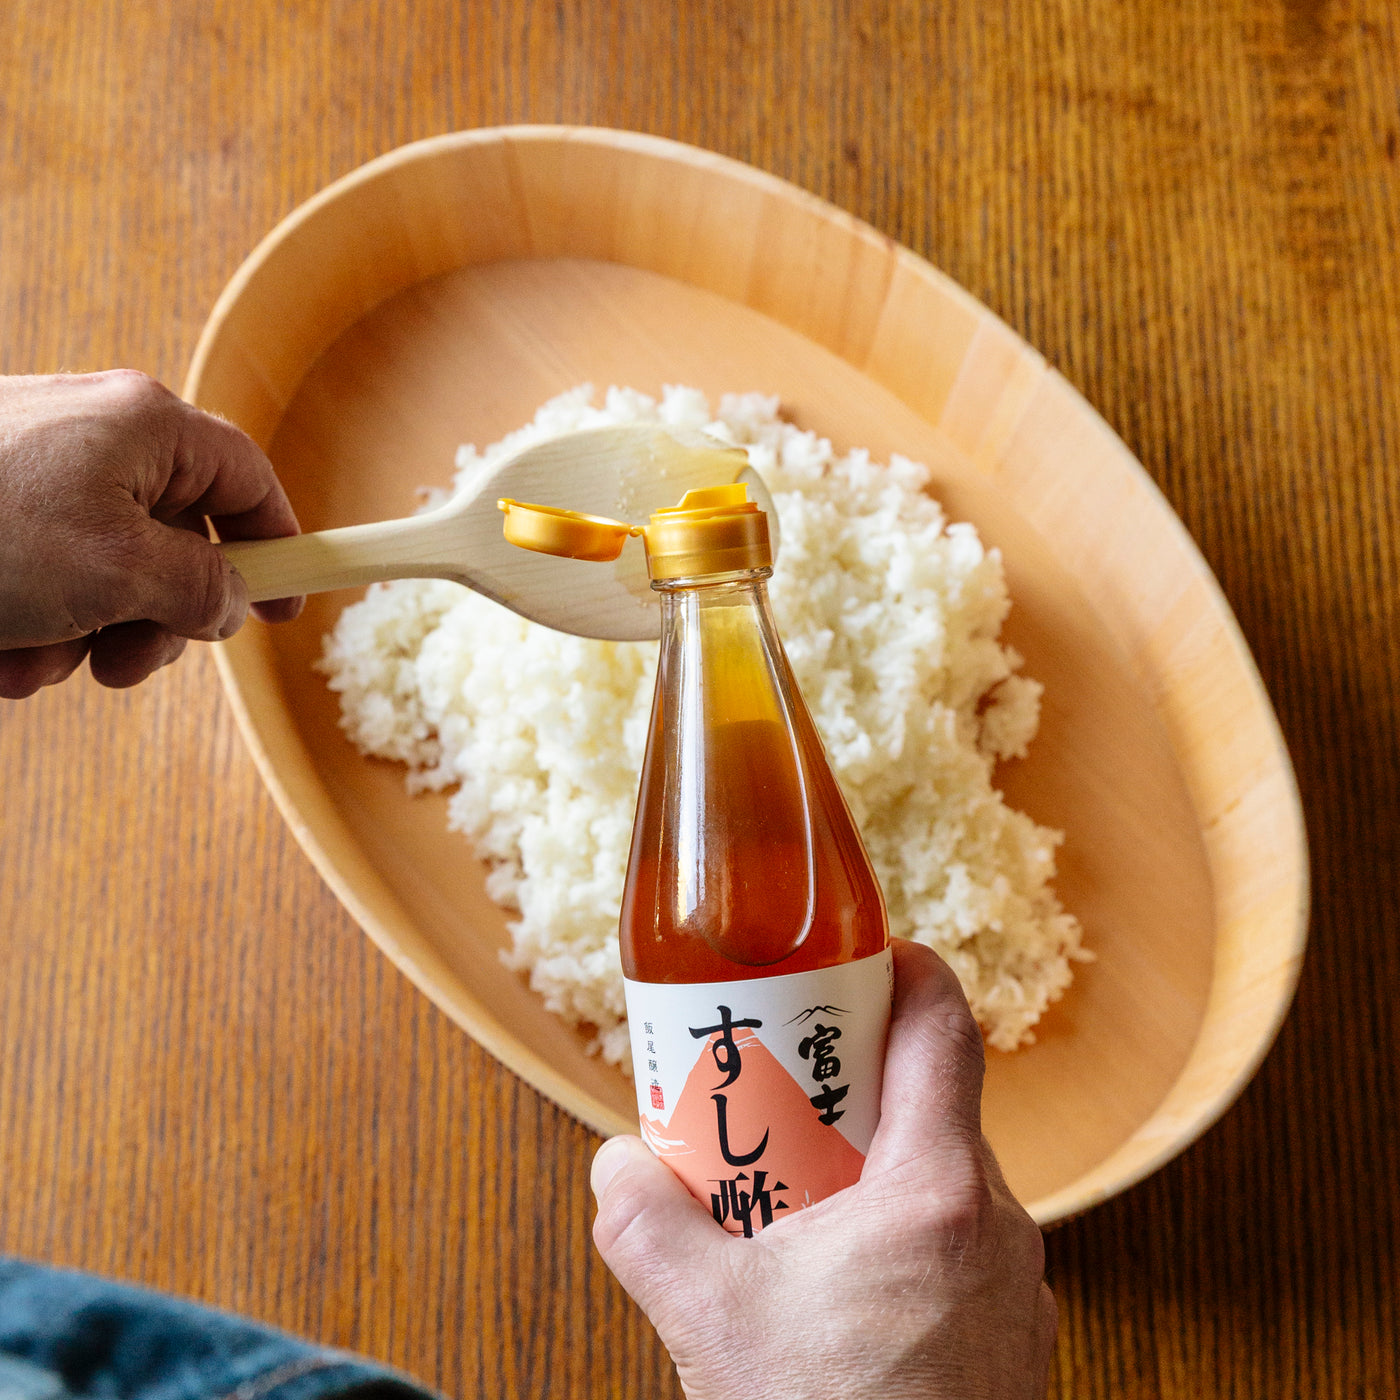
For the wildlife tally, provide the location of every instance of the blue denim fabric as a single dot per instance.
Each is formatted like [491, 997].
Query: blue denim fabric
[69, 1336]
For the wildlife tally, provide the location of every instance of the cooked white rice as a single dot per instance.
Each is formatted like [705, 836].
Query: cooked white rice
[890, 615]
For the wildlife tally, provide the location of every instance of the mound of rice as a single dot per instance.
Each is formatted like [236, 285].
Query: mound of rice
[890, 615]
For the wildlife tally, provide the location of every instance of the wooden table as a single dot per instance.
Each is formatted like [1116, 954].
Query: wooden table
[212, 1083]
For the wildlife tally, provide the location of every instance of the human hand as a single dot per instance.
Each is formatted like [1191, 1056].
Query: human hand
[924, 1279]
[105, 482]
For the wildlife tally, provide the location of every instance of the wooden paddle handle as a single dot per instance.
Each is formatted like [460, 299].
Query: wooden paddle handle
[349, 557]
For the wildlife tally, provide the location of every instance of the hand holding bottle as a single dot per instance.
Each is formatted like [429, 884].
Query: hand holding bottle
[924, 1279]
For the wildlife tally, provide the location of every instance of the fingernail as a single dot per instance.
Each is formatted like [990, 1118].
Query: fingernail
[233, 618]
[610, 1158]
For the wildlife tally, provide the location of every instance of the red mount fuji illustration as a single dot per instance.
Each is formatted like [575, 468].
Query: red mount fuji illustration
[809, 1157]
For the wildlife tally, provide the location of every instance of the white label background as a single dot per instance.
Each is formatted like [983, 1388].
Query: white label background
[854, 996]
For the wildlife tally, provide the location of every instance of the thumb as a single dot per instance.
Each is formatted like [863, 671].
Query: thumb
[186, 585]
[931, 1103]
[652, 1233]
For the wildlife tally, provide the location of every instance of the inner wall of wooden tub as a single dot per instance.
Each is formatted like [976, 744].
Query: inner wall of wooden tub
[466, 357]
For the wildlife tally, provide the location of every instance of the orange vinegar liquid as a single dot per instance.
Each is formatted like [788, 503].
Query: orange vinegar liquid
[745, 860]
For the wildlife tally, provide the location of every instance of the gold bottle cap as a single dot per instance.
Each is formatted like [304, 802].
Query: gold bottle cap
[567, 533]
[715, 530]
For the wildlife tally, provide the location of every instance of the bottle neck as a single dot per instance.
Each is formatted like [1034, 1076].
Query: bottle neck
[737, 799]
[726, 619]
[745, 861]
[737, 578]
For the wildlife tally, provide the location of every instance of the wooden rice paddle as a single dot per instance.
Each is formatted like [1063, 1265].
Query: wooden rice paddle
[622, 473]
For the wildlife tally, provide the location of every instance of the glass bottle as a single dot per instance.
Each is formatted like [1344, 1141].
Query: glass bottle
[754, 939]
[755, 947]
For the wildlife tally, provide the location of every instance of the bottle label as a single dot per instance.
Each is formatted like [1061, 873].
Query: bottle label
[762, 1095]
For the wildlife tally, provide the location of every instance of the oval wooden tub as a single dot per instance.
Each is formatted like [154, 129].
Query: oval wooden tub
[439, 294]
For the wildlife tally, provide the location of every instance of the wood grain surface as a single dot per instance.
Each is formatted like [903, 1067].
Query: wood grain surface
[213, 1084]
